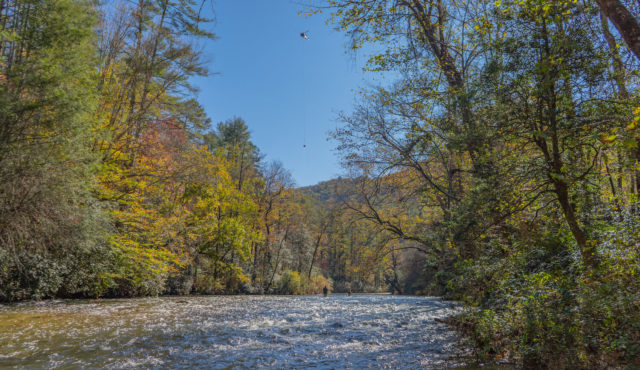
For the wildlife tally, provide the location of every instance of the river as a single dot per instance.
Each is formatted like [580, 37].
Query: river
[361, 331]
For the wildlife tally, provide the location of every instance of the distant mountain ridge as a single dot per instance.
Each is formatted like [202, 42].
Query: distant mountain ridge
[327, 191]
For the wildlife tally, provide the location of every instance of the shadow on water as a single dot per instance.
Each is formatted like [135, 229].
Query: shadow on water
[339, 331]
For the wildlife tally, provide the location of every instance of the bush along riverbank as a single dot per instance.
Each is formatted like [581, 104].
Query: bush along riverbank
[540, 307]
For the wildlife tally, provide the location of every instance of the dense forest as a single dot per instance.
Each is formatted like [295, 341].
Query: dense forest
[114, 183]
[501, 168]
[507, 154]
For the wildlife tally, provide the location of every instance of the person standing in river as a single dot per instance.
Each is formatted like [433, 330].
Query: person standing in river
[325, 291]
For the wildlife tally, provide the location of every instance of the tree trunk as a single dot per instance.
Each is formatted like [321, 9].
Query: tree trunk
[586, 249]
[396, 281]
[624, 22]
[323, 228]
[618, 67]
[275, 268]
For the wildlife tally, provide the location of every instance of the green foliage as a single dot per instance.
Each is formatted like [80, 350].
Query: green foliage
[540, 306]
[112, 182]
[506, 153]
[290, 283]
[49, 218]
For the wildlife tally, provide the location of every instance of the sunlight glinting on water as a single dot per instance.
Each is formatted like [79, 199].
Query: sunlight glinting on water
[240, 331]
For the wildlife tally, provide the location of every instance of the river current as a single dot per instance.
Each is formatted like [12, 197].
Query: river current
[360, 331]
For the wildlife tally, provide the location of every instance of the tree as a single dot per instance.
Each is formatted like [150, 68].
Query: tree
[234, 138]
[50, 224]
[148, 116]
[625, 22]
[276, 191]
[220, 224]
[148, 55]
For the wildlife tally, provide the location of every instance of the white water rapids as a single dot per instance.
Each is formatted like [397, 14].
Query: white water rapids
[361, 331]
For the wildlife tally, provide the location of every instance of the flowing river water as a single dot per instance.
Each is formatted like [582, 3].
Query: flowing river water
[361, 331]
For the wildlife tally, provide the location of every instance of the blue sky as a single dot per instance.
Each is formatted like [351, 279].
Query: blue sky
[288, 90]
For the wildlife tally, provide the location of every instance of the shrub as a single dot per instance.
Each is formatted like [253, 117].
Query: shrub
[290, 283]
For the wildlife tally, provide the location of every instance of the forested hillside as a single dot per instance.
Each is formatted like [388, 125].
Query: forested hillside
[355, 256]
[358, 255]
